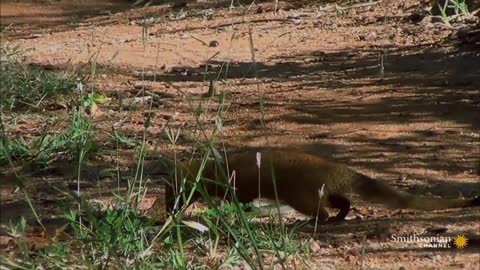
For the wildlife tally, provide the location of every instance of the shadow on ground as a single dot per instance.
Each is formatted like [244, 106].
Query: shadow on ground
[424, 84]
[442, 83]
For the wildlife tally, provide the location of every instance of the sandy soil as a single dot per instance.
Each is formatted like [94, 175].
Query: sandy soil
[367, 86]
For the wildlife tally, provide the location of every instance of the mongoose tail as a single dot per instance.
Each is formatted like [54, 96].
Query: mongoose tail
[375, 191]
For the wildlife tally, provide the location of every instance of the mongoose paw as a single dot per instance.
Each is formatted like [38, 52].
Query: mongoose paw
[314, 221]
[476, 201]
[335, 220]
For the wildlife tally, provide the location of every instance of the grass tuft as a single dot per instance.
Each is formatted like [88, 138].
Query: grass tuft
[24, 86]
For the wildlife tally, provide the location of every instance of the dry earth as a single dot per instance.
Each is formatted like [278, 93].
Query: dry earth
[413, 121]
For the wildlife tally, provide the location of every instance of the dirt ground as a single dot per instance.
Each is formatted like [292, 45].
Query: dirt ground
[369, 86]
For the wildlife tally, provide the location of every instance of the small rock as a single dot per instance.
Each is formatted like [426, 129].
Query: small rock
[165, 95]
[436, 230]
[213, 43]
[138, 100]
[429, 256]
[6, 240]
[314, 246]
[82, 185]
[141, 86]
[169, 116]
[348, 258]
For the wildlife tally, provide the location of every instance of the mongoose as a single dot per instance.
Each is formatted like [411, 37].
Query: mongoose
[298, 179]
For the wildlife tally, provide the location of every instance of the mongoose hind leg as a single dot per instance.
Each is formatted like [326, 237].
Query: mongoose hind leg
[339, 202]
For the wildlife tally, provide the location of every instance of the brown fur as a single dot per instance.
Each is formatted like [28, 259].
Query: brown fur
[298, 180]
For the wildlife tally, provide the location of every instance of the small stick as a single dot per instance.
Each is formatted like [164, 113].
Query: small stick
[320, 195]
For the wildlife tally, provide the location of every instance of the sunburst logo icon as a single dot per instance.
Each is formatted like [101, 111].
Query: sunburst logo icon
[460, 241]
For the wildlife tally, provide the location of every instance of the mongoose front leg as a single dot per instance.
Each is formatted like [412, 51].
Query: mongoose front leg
[322, 217]
[309, 206]
[341, 203]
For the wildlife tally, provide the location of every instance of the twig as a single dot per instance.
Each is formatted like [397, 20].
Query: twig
[199, 40]
[320, 195]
